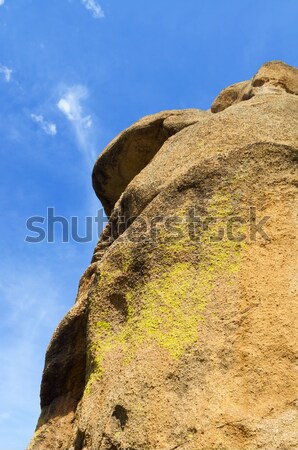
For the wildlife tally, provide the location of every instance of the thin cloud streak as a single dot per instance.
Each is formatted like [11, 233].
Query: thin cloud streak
[70, 105]
[4, 70]
[48, 127]
[95, 8]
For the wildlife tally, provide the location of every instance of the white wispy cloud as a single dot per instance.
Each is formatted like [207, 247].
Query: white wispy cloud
[5, 71]
[2, 2]
[94, 7]
[70, 104]
[48, 127]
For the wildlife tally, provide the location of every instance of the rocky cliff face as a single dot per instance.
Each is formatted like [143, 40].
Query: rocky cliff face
[184, 332]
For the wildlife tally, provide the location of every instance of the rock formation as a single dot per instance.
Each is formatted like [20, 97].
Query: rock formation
[184, 334]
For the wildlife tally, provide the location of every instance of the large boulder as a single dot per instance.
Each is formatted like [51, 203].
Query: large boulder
[184, 332]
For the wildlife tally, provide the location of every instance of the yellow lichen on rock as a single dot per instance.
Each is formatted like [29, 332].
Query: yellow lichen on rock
[168, 310]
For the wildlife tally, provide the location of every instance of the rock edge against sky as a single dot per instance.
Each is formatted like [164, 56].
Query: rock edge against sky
[182, 336]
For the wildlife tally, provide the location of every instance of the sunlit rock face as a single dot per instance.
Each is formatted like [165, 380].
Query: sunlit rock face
[184, 332]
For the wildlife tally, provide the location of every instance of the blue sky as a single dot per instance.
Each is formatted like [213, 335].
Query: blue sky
[73, 74]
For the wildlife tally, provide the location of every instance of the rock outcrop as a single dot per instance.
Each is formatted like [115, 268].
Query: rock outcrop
[184, 334]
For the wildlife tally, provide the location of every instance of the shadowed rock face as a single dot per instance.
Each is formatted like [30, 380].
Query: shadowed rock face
[184, 332]
[130, 152]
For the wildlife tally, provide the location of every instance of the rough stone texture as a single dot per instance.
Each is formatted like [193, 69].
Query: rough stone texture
[133, 149]
[181, 338]
[273, 77]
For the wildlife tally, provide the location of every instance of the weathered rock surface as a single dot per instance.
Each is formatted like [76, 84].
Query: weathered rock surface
[133, 149]
[184, 334]
[273, 77]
